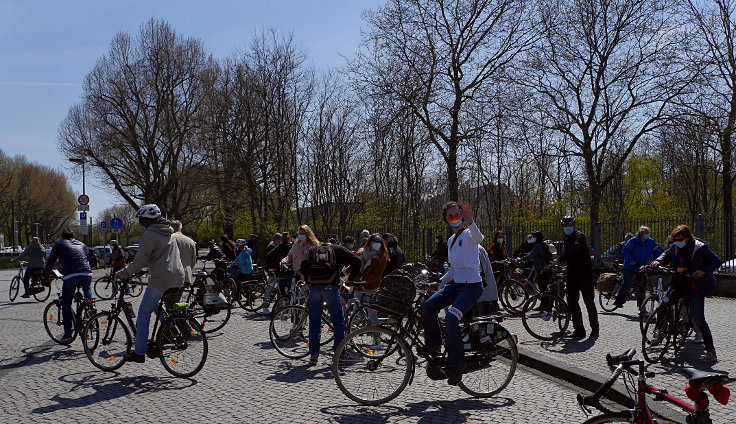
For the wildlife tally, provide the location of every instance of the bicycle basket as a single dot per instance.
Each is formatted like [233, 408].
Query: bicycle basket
[396, 294]
[607, 282]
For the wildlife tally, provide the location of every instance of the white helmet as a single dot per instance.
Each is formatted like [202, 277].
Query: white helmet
[148, 211]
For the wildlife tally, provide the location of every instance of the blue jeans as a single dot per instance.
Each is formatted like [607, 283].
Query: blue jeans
[68, 289]
[149, 304]
[462, 297]
[623, 292]
[285, 283]
[27, 277]
[697, 309]
[331, 295]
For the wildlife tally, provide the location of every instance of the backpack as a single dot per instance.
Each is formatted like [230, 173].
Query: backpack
[322, 265]
[548, 255]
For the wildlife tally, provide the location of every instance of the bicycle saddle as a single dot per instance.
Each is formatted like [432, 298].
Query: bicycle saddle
[200, 274]
[703, 378]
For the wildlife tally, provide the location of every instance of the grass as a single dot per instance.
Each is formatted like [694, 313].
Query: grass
[5, 262]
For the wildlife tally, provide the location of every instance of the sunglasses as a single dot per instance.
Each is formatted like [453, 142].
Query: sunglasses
[377, 241]
[681, 239]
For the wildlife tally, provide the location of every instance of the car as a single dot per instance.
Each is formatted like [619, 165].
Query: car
[132, 250]
[104, 252]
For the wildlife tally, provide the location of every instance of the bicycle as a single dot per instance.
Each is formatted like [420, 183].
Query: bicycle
[698, 382]
[35, 288]
[53, 319]
[513, 289]
[105, 286]
[549, 306]
[179, 341]
[651, 302]
[211, 318]
[639, 287]
[372, 373]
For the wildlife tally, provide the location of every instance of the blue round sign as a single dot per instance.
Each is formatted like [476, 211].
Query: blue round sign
[116, 223]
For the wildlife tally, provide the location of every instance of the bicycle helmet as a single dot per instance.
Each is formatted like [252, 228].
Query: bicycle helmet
[567, 220]
[240, 242]
[148, 211]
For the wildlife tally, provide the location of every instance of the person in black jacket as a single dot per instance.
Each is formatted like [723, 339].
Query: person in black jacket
[326, 289]
[524, 247]
[396, 257]
[439, 256]
[273, 262]
[579, 278]
[214, 253]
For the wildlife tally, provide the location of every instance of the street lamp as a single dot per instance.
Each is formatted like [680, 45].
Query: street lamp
[82, 161]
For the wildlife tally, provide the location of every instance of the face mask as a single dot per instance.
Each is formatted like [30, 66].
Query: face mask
[531, 240]
[679, 244]
[302, 237]
[499, 240]
[455, 221]
[646, 237]
[350, 246]
[376, 246]
[568, 230]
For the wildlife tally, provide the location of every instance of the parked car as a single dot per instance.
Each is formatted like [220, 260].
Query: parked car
[104, 252]
[131, 250]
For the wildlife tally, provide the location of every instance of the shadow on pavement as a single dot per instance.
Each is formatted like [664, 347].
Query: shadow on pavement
[294, 371]
[568, 345]
[420, 412]
[32, 356]
[109, 386]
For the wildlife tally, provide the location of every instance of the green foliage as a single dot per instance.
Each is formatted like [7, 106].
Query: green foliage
[646, 190]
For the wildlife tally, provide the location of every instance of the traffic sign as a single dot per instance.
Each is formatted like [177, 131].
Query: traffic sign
[82, 219]
[116, 223]
[103, 226]
[83, 207]
[83, 199]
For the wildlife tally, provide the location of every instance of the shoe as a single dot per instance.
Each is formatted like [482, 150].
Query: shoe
[66, 339]
[545, 316]
[25, 295]
[594, 333]
[698, 339]
[578, 334]
[266, 311]
[454, 374]
[314, 360]
[134, 357]
[709, 357]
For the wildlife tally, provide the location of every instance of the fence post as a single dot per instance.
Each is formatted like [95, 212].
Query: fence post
[509, 241]
[430, 245]
[597, 243]
[700, 227]
[728, 223]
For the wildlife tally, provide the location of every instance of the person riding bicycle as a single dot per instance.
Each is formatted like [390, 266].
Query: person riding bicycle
[396, 257]
[461, 288]
[373, 259]
[320, 269]
[228, 247]
[160, 253]
[497, 248]
[36, 262]
[75, 267]
[214, 253]
[244, 263]
[636, 252]
[117, 261]
[696, 257]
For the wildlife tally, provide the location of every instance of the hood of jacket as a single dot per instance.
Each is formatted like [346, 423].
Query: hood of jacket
[162, 229]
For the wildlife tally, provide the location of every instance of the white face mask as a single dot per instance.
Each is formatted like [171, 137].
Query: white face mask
[302, 237]
[531, 240]
[376, 246]
[499, 240]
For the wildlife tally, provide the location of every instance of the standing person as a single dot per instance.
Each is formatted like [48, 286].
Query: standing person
[320, 269]
[36, 262]
[228, 247]
[688, 252]
[187, 251]
[462, 287]
[637, 252]
[539, 256]
[579, 278]
[373, 259]
[525, 247]
[396, 257]
[118, 262]
[364, 237]
[488, 300]
[75, 267]
[617, 254]
[159, 251]
[305, 240]
[497, 248]
[273, 263]
[253, 244]
[275, 241]
[439, 256]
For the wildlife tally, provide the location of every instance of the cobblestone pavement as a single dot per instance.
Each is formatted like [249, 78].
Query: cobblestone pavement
[620, 331]
[244, 380]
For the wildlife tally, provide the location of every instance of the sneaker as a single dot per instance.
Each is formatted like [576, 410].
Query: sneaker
[578, 334]
[266, 311]
[134, 357]
[66, 339]
[454, 374]
[25, 295]
[545, 316]
[698, 339]
[709, 357]
[314, 360]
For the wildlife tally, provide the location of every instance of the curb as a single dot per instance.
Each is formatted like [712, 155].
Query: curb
[591, 382]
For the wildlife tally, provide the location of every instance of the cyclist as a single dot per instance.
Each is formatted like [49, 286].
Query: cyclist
[688, 252]
[253, 244]
[75, 267]
[320, 269]
[36, 261]
[539, 256]
[228, 247]
[349, 243]
[273, 262]
[304, 241]
[244, 263]
[373, 259]
[117, 261]
[214, 253]
[160, 253]
[439, 256]
[579, 278]
[461, 288]
[396, 257]
[524, 247]
[187, 251]
[636, 252]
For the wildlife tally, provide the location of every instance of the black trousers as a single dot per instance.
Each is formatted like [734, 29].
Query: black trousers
[578, 285]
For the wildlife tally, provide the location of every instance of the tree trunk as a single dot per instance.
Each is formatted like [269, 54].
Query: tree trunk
[452, 177]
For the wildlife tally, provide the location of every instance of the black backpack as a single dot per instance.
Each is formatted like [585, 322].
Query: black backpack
[547, 253]
[322, 265]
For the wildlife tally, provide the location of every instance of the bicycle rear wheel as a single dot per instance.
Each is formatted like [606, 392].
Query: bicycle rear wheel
[182, 346]
[492, 370]
[656, 337]
[546, 316]
[377, 378]
[255, 295]
[647, 308]
[513, 295]
[53, 322]
[42, 296]
[289, 331]
[104, 287]
[14, 287]
[212, 321]
[112, 343]
[608, 300]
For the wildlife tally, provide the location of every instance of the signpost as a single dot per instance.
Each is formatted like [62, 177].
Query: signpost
[116, 224]
[103, 227]
[83, 199]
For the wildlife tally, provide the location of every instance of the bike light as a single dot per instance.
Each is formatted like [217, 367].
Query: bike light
[720, 392]
[693, 392]
[516, 338]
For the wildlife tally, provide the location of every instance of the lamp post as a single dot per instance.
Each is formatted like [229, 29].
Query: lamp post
[84, 187]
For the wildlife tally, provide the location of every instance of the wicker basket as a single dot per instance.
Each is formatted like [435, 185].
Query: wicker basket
[607, 282]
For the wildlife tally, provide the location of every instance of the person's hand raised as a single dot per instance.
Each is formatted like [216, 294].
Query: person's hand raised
[467, 213]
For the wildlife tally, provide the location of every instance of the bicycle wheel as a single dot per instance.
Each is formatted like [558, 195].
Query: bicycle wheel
[14, 287]
[289, 331]
[43, 296]
[492, 370]
[656, 337]
[182, 346]
[374, 379]
[241, 295]
[229, 289]
[53, 322]
[135, 287]
[255, 295]
[210, 321]
[608, 300]
[112, 344]
[682, 329]
[648, 307]
[546, 316]
[513, 295]
[603, 419]
[104, 287]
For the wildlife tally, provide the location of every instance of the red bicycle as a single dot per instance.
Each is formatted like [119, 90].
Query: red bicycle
[697, 384]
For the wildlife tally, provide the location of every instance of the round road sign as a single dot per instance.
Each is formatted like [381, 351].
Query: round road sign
[83, 199]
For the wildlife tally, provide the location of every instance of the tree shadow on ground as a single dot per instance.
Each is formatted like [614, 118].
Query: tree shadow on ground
[39, 354]
[455, 411]
[108, 387]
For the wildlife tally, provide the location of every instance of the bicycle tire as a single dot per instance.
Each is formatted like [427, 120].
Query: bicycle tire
[558, 311]
[513, 295]
[179, 335]
[346, 360]
[53, 322]
[648, 306]
[14, 288]
[104, 288]
[655, 345]
[608, 300]
[108, 350]
[603, 419]
[289, 331]
[682, 330]
[44, 295]
[255, 297]
[473, 382]
[213, 322]
[135, 287]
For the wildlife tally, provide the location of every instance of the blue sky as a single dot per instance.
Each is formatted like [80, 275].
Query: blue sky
[47, 48]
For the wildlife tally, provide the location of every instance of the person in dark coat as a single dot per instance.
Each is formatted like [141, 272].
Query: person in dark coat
[579, 278]
[395, 255]
[497, 248]
[439, 256]
[524, 247]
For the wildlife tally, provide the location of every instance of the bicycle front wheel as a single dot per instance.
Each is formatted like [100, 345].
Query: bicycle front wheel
[53, 322]
[182, 346]
[546, 316]
[656, 337]
[289, 331]
[492, 370]
[135, 287]
[646, 309]
[43, 296]
[513, 295]
[104, 287]
[111, 343]
[14, 287]
[608, 300]
[215, 320]
[376, 378]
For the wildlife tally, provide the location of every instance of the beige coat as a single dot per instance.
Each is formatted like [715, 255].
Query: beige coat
[187, 253]
[160, 253]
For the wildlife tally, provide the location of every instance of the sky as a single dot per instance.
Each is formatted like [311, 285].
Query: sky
[47, 48]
